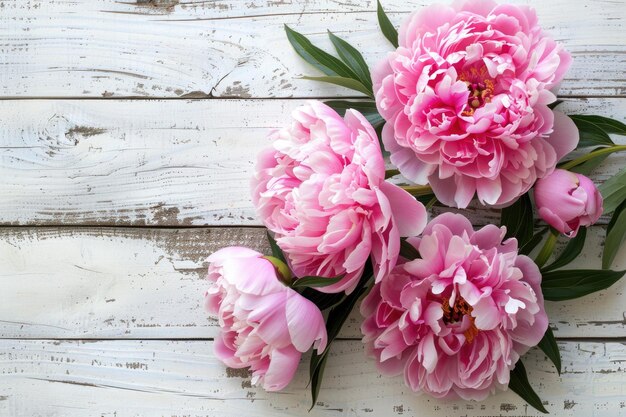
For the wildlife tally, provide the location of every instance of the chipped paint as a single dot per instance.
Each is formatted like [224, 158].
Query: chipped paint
[238, 373]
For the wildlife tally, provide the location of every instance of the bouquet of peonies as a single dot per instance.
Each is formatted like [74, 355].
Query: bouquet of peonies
[463, 108]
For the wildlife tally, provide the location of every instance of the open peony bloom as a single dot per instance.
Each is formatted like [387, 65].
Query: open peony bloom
[321, 189]
[456, 321]
[264, 324]
[566, 200]
[466, 99]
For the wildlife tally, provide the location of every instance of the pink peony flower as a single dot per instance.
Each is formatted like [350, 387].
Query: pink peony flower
[321, 188]
[264, 324]
[457, 320]
[466, 99]
[567, 200]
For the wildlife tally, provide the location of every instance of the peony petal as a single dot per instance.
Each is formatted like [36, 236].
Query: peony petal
[305, 323]
[408, 214]
[283, 366]
[565, 136]
[231, 252]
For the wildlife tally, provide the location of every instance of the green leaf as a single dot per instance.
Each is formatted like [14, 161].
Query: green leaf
[553, 105]
[317, 374]
[613, 191]
[344, 82]
[353, 59]
[426, 199]
[336, 318]
[574, 283]
[591, 134]
[610, 126]
[572, 250]
[533, 242]
[615, 235]
[589, 166]
[322, 300]
[379, 133]
[316, 282]
[518, 219]
[386, 27]
[366, 108]
[320, 59]
[407, 251]
[519, 384]
[551, 349]
[276, 251]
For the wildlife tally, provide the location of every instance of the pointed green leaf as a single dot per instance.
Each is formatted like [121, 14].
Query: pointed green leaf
[610, 126]
[518, 219]
[574, 283]
[344, 82]
[549, 346]
[366, 108]
[572, 250]
[322, 300]
[553, 105]
[336, 318]
[363, 106]
[615, 235]
[407, 251]
[353, 59]
[519, 384]
[315, 56]
[533, 242]
[613, 191]
[276, 251]
[590, 133]
[317, 374]
[587, 167]
[316, 282]
[386, 27]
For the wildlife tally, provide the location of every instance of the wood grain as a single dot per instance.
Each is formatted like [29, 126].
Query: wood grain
[171, 48]
[161, 163]
[149, 284]
[167, 378]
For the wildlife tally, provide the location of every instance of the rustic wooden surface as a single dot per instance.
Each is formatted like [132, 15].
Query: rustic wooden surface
[128, 133]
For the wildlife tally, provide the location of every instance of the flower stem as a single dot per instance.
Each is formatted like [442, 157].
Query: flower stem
[604, 151]
[417, 190]
[548, 247]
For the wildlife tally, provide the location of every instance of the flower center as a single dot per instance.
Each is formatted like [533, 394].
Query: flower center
[480, 87]
[456, 313]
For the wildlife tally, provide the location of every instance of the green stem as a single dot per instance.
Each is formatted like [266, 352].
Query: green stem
[604, 151]
[417, 190]
[548, 247]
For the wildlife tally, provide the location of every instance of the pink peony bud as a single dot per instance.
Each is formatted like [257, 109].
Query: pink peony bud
[265, 325]
[567, 200]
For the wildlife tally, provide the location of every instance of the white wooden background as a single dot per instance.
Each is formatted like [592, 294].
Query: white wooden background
[128, 131]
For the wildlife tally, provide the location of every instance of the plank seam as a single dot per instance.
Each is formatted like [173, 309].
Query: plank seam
[619, 339]
[153, 98]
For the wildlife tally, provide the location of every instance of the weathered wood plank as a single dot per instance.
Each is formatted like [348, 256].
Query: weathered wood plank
[171, 48]
[149, 283]
[167, 162]
[147, 378]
